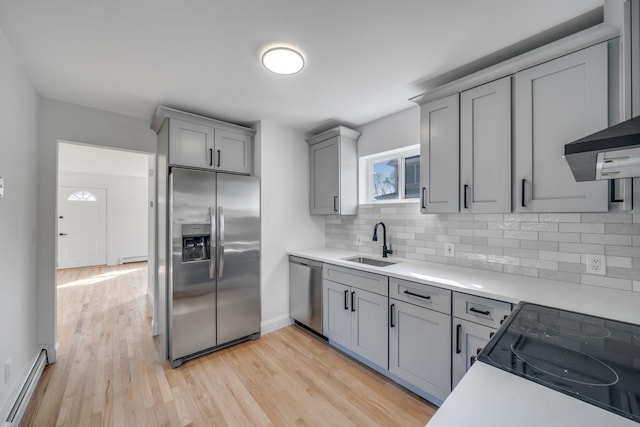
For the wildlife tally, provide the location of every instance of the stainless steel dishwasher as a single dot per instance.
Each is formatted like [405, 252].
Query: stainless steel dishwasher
[305, 293]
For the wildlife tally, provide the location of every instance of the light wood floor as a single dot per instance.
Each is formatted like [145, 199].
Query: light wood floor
[109, 373]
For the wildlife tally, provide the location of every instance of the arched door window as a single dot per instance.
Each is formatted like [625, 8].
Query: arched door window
[82, 196]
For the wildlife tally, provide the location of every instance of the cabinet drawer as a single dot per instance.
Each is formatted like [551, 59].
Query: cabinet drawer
[480, 310]
[356, 278]
[419, 294]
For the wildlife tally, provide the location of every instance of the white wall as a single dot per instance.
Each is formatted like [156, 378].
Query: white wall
[126, 211]
[282, 162]
[18, 225]
[388, 133]
[63, 121]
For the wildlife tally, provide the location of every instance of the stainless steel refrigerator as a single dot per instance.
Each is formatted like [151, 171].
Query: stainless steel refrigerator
[213, 290]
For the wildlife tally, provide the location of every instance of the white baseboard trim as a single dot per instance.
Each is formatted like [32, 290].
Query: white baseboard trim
[274, 324]
[22, 396]
[128, 259]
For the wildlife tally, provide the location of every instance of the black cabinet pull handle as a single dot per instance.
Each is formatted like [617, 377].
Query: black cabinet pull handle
[335, 203]
[423, 197]
[483, 312]
[219, 157]
[353, 306]
[478, 350]
[391, 322]
[346, 302]
[472, 360]
[466, 187]
[417, 295]
[62, 234]
[210, 156]
[491, 334]
[458, 343]
[524, 200]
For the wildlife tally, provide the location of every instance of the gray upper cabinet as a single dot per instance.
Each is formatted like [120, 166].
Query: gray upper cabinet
[485, 148]
[190, 144]
[555, 103]
[439, 155]
[204, 143]
[234, 151]
[334, 172]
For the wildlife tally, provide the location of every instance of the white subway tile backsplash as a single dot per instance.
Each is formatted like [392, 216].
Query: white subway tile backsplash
[609, 239]
[581, 228]
[539, 226]
[622, 262]
[550, 246]
[607, 282]
[618, 218]
[559, 217]
[559, 237]
[581, 248]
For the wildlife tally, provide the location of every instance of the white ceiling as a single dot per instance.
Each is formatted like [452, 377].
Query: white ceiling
[364, 58]
[102, 161]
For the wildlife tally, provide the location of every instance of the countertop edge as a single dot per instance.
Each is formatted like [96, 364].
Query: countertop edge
[609, 303]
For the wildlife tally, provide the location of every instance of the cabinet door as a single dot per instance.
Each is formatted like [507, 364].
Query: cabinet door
[370, 327]
[190, 144]
[485, 148]
[336, 312]
[439, 155]
[233, 152]
[468, 338]
[555, 103]
[420, 347]
[325, 177]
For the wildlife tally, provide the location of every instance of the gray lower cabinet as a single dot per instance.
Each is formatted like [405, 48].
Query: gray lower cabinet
[468, 340]
[475, 320]
[356, 318]
[419, 347]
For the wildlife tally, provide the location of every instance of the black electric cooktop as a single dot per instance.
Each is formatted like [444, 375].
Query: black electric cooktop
[590, 358]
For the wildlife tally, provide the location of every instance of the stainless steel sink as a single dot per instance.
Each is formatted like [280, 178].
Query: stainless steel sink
[370, 261]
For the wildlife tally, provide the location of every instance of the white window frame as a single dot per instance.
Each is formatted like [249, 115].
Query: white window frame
[365, 166]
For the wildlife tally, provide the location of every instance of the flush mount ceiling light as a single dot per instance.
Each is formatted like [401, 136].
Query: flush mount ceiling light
[283, 60]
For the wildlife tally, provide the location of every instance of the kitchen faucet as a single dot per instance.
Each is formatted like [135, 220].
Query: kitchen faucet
[385, 251]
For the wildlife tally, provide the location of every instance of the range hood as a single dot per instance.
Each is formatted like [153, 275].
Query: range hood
[609, 154]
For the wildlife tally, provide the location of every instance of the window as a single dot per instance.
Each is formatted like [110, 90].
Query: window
[390, 176]
[82, 196]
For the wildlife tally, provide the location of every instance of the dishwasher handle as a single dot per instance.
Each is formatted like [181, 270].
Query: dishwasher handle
[303, 261]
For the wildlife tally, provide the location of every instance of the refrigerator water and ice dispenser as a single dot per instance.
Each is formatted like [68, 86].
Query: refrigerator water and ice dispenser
[196, 239]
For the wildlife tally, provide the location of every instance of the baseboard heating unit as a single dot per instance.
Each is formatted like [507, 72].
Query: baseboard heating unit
[26, 392]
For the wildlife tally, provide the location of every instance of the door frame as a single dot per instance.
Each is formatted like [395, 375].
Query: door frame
[152, 194]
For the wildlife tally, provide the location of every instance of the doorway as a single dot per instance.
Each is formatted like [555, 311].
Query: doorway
[105, 209]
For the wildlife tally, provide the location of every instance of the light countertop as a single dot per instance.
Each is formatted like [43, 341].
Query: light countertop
[609, 303]
[488, 396]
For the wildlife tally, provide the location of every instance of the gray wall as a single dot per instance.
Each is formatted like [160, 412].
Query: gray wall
[18, 225]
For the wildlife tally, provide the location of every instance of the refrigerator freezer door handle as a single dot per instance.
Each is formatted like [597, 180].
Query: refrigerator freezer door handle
[212, 244]
[221, 265]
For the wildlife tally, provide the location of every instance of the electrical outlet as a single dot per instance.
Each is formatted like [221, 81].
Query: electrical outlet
[358, 240]
[7, 370]
[449, 250]
[596, 264]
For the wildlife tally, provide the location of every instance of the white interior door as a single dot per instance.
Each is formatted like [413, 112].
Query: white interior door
[82, 226]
